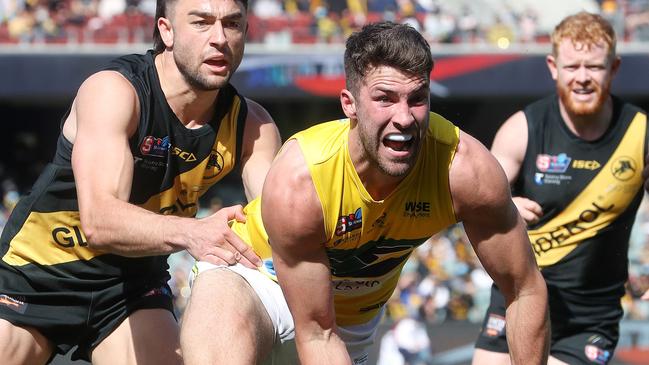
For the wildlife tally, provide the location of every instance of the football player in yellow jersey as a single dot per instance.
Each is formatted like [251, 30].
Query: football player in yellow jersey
[343, 206]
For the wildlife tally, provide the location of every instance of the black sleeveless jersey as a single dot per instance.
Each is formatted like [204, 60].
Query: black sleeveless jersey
[173, 167]
[589, 192]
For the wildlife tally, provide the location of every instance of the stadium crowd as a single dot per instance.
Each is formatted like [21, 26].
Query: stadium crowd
[277, 22]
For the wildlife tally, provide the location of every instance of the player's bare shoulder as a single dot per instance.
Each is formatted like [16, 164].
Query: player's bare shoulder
[257, 114]
[106, 98]
[477, 181]
[289, 192]
[510, 141]
[260, 132]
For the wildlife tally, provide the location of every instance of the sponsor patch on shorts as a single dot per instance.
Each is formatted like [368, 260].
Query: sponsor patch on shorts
[595, 353]
[163, 290]
[13, 303]
[495, 326]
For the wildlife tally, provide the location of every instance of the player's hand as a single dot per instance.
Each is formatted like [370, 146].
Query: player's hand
[528, 209]
[215, 242]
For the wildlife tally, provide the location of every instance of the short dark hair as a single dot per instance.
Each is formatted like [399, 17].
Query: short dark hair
[386, 44]
[161, 11]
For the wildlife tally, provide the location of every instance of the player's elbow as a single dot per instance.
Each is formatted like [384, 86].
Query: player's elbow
[92, 227]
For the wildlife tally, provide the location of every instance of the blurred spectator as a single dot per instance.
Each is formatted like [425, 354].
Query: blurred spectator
[412, 340]
[637, 20]
[21, 25]
[439, 27]
[613, 12]
[406, 343]
[109, 8]
[527, 25]
[468, 26]
[462, 21]
[265, 9]
[389, 350]
[500, 34]
[328, 26]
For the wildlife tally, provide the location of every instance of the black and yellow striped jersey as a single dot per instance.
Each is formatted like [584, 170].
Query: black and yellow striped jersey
[589, 191]
[173, 167]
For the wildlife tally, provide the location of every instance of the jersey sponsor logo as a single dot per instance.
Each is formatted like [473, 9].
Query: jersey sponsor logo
[495, 325]
[551, 179]
[624, 168]
[349, 222]
[594, 351]
[553, 164]
[158, 147]
[555, 238]
[586, 164]
[346, 285]
[356, 236]
[13, 303]
[68, 238]
[380, 221]
[417, 209]
[184, 155]
[161, 291]
[154, 146]
[372, 259]
[214, 166]
[152, 165]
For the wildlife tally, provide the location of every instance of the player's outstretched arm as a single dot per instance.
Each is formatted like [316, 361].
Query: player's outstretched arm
[482, 201]
[293, 218]
[105, 114]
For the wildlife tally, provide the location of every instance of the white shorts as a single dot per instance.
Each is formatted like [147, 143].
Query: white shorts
[357, 338]
[268, 291]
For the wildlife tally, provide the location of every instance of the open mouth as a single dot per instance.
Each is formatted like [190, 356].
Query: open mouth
[583, 91]
[398, 141]
[218, 65]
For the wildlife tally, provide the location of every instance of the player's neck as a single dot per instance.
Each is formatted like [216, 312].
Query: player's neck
[378, 184]
[589, 127]
[193, 108]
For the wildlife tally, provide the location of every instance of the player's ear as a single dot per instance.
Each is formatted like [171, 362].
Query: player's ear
[166, 31]
[551, 61]
[348, 103]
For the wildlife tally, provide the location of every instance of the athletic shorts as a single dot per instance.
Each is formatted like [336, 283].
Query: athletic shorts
[573, 341]
[357, 338]
[76, 318]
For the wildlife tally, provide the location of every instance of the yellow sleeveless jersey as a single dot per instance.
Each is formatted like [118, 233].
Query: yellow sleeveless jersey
[368, 241]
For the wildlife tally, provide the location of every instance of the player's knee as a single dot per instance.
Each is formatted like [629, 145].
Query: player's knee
[20, 345]
[217, 282]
